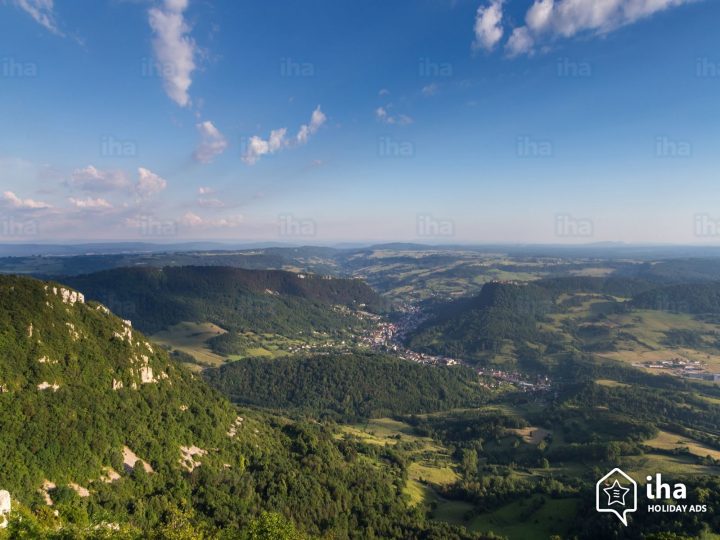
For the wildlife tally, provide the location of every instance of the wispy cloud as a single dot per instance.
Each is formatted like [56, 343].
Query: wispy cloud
[14, 201]
[194, 221]
[212, 143]
[548, 20]
[42, 11]
[317, 119]
[382, 114]
[279, 140]
[90, 203]
[174, 49]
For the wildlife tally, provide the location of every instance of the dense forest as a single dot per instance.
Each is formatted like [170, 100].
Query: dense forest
[697, 298]
[347, 387]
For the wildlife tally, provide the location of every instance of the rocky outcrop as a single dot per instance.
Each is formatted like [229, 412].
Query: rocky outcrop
[45, 490]
[189, 453]
[47, 386]
[81, 491]
[235, 426]
[73, 332]
[125, 335]
[130, 460]
[146, 375]
[68, 297]
[5, 508]
[109, 475]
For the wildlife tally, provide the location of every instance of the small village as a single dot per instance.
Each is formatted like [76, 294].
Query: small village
[389, 337]
[680, 367]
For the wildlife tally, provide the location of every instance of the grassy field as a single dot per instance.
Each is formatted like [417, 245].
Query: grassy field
[532, 435]
[640, 335]
[649, 464]
[671, 441]
[611, 384]
[191, 338]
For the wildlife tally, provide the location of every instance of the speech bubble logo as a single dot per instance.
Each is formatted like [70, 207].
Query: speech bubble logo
[616, 493]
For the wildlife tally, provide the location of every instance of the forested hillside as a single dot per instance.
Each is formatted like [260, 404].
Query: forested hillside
[117, 437]
[467, 328]
[237, 300]
[696, 298]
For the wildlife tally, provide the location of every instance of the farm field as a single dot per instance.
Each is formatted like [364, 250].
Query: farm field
[191, 338]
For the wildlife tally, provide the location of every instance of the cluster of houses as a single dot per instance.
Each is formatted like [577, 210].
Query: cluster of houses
[520, 380]
[387, 337]
[429, 359]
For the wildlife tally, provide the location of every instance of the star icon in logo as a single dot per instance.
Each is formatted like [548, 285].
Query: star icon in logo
[616, 494]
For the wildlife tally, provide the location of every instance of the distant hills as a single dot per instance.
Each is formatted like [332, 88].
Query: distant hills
[238, 300]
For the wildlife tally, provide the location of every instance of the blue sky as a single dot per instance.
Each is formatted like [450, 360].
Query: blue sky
[311, 122]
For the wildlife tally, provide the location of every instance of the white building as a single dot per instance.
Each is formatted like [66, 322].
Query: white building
[5, 508]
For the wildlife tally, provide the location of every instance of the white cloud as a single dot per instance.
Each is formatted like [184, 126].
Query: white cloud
[42, 12]
[204, 190]
[174, 49]
[384, 92]
[520, 42]
[538, 16]
[24, 204]
[91, 178]
[212, 144]
[547, 20]
[193, 221]
[149, 183]
[278, 140]
[317, 119]
[382, 114]
[90, 204]
[488, 25]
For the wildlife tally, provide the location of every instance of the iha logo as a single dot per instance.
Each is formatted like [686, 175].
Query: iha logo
[616, 493]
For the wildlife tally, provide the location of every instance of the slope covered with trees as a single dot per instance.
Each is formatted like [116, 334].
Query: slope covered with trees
[695, 298]
[84, 395]
[259, 301]
[469, 328]
[348, 387]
